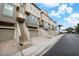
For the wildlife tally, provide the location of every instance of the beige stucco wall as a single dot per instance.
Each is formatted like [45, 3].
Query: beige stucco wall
[51, 22]
[33, 10]
[21, 13]
[45, 18]
[17, 4]
[33, 33]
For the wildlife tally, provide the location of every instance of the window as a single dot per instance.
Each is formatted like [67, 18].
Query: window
[8, 9]
[46, 25]
[32, 19]
[52, 27]
[22, 4]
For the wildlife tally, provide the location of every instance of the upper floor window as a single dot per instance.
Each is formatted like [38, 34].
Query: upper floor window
[8, 9]
[32, 19]
[22, 4]
[52, 27]
[46, 25]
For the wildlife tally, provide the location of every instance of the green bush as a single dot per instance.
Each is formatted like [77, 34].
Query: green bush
[77, 28]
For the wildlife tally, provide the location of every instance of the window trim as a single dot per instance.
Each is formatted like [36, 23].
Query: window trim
[5, 15]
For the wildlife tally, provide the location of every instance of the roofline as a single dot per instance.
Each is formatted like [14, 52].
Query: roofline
[42, 11]
[49, 17]
[36, 6]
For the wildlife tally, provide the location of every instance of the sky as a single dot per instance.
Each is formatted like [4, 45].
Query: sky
[66, 14]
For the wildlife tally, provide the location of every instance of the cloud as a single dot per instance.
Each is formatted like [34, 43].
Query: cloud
[62, 9]
[69, 10]
[73, 19]
[56, 14]
[53, 13]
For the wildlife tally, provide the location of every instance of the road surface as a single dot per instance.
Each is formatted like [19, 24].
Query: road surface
[68, 45]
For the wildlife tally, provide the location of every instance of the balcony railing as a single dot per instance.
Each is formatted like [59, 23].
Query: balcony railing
[32, 21]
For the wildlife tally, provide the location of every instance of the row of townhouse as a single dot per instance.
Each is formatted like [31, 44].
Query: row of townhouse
[22, 21]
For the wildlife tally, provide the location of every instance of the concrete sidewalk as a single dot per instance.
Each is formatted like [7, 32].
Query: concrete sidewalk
[40, 45]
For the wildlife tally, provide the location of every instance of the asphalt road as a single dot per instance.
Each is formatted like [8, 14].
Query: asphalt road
[68, 45]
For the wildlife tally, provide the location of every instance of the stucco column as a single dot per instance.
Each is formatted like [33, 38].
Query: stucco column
[17, 32]
[27, 34]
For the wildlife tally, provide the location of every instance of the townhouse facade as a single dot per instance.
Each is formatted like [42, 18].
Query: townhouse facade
[7, 21]
[22, 21]
[33, 18]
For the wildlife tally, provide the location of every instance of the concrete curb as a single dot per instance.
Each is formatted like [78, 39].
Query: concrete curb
[45, 49]
[50, 46]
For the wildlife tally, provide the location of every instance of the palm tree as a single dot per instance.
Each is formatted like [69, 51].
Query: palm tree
[59, 27]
